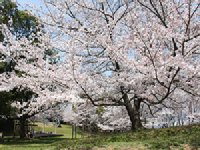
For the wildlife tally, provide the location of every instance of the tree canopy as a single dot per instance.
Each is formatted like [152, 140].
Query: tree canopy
[135, 54]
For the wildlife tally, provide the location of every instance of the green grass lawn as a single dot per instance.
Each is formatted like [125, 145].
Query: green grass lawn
[48, 143]
[177, 138]
[66, 130]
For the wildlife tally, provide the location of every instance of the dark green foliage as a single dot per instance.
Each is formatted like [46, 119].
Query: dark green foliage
[6, 126]
[5, 104]
[23, 24]
[19, 73]
[1, 37]
[2, 66]
[22, 94]
[51, 53]
[7, 67]
[6, 98]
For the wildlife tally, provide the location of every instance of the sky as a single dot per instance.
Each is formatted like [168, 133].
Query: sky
[24, 2]
[29, 1]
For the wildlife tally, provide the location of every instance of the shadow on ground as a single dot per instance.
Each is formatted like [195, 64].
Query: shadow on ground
[45, 140]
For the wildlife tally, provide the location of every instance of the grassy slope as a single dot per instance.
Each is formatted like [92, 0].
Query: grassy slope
[169, 138]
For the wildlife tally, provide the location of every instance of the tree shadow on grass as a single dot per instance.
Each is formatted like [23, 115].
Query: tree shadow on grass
[44, 140]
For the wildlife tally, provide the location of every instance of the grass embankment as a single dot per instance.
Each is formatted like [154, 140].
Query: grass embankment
[155, 139]
[169, 138]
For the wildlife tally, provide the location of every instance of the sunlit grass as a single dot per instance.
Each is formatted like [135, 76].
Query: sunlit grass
[66, 130]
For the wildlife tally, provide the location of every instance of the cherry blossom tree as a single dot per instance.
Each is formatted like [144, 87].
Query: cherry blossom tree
[128, 53]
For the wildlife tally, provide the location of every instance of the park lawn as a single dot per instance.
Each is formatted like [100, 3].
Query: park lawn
[49, 143]
[177, 138]
[66, 130]
[33, 144]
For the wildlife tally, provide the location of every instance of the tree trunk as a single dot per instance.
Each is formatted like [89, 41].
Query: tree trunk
[138, 123]
[133, 112]
[22, 132]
